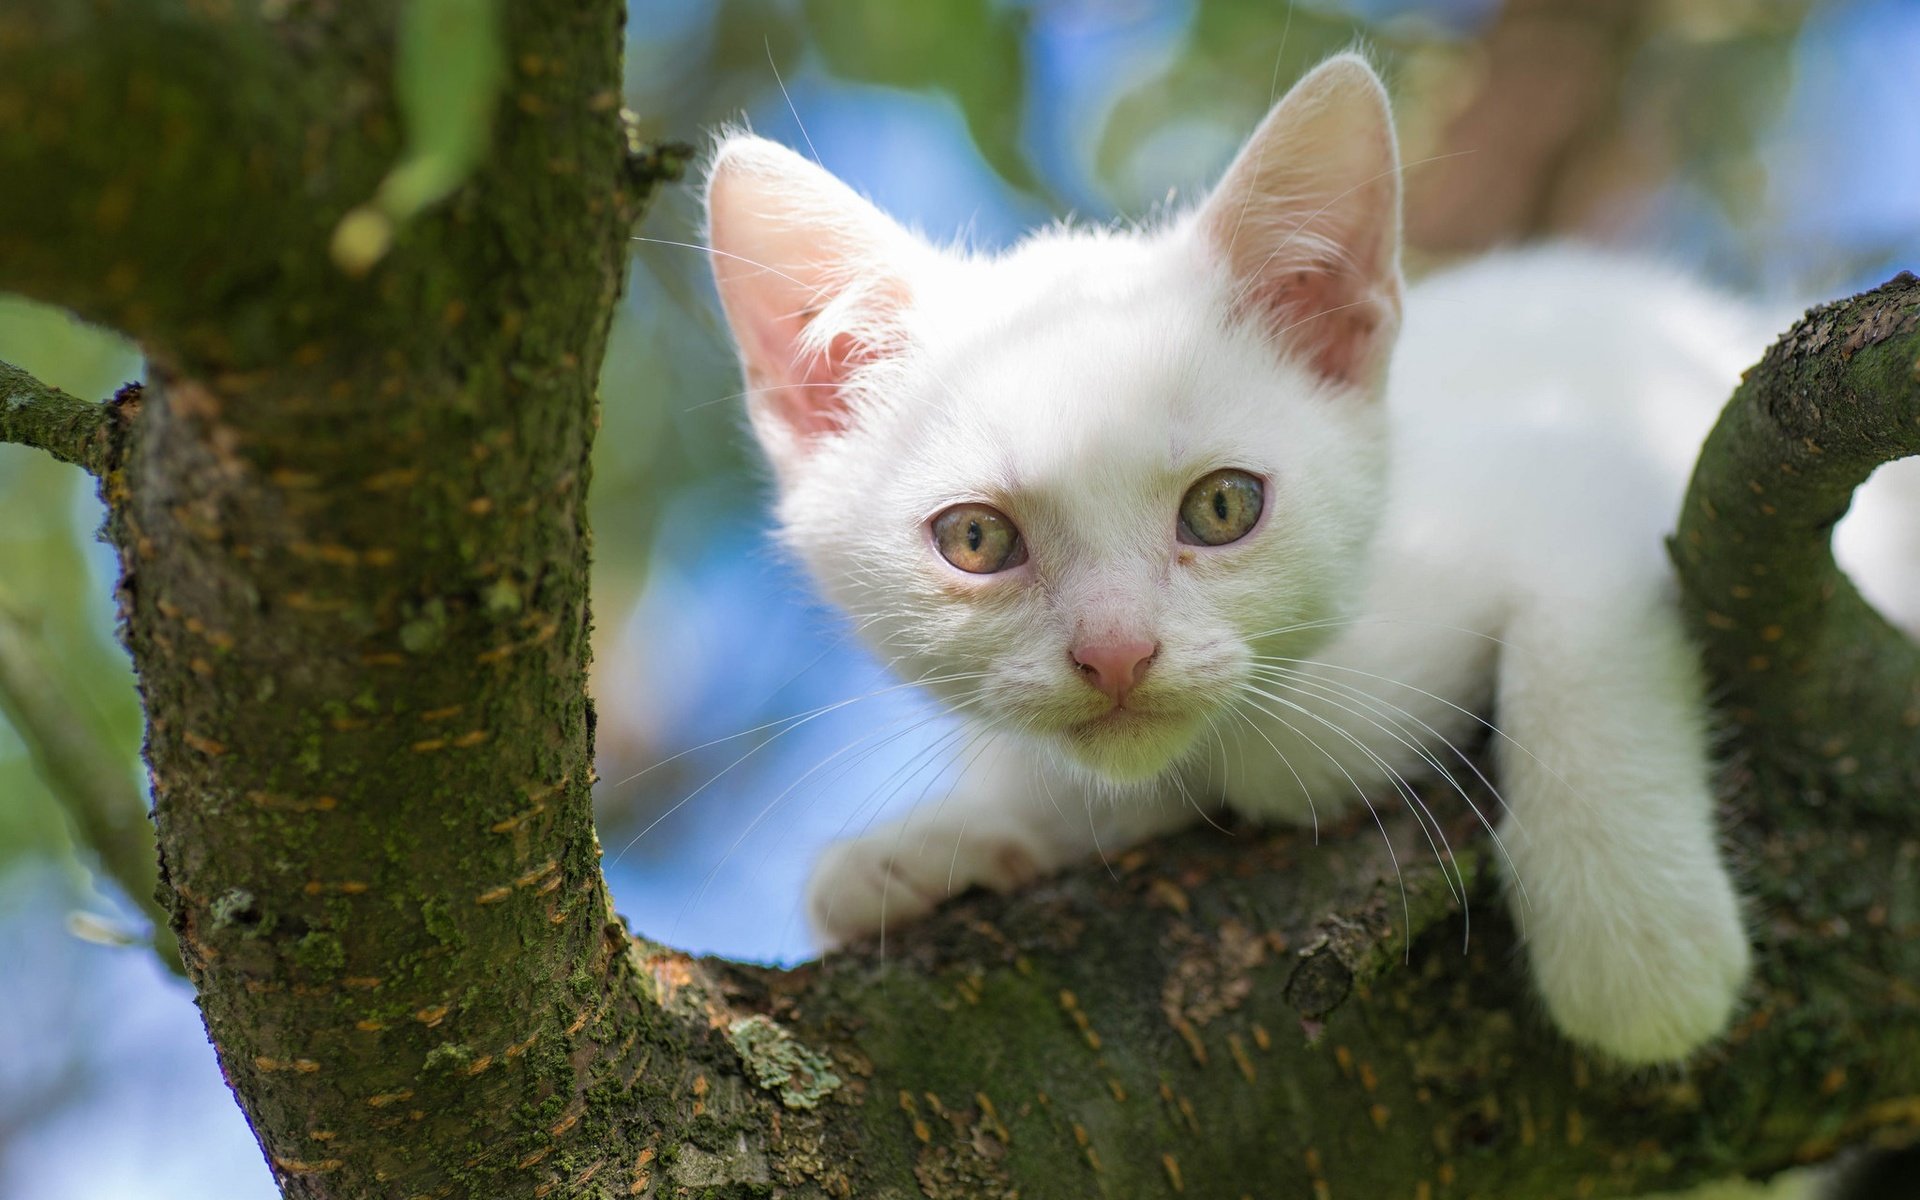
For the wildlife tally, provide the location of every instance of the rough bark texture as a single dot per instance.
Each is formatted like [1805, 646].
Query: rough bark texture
[354, 563]
[349, 513]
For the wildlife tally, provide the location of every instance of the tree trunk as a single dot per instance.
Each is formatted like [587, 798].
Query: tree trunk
[350, 513]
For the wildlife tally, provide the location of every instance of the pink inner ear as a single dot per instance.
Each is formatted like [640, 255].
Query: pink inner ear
[813, 280]
[1323, 314]
[807, 390]
[819, 383]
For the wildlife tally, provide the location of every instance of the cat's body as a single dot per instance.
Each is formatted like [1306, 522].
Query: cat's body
[1153, 511]
[1567, 451]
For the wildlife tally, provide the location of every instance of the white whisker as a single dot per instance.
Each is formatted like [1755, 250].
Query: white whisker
[1498, 732]
[1429, 824]
[1305, 791]
[767, 42]
[794, 720]
[1377, 703]
[1406, 907]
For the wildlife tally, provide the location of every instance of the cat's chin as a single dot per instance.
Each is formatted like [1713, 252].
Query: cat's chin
[1124, 746]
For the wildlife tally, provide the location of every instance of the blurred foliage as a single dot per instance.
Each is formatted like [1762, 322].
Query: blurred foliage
[1237, 60]
[47, 513]
[974, 50]
[1714, 78]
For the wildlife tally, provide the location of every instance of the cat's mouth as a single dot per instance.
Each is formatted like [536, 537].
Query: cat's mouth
[1128, 742]
[1118, 719]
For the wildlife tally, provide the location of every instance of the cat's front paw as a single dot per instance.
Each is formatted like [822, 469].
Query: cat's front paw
[1643, 981]
[895, 876]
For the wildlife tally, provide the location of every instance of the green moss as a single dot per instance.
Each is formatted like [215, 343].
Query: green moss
[449, 1056]
[320, 951]
[502, 599]
[311, 756]
[436, 914]
[427, 628]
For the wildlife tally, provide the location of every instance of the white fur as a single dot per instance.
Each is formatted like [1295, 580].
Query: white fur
[1482, 524]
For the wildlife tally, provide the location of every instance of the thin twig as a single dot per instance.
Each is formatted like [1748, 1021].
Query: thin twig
[36, 414]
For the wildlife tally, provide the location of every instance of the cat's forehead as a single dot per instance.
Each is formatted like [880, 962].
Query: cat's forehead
[1084, 354]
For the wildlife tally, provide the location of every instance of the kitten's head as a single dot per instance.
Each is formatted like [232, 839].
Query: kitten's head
[1078, 487]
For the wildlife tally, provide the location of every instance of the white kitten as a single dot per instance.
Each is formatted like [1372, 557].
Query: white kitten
[1113, 492]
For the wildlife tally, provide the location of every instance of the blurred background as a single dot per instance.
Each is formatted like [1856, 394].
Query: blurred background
[1767, 144]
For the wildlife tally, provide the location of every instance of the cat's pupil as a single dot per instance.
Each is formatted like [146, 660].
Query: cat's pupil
[974, 535]
[1220, 503]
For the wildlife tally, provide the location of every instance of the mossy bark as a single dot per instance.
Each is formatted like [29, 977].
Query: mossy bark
[71, 429]
[1804, 662]
[349, 513]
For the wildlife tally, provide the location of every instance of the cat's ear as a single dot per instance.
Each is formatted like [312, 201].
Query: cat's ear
[813, 279]
[1306, 223]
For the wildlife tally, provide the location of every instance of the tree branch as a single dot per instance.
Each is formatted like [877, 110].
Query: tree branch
[104, 808]
[1811, 672]
[44, 417]
[1247, 1017]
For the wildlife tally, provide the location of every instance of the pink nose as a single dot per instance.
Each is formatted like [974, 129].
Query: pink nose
[1114, 665]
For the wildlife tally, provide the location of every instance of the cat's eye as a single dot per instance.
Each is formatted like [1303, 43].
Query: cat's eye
[978, 539]
[1222, 507]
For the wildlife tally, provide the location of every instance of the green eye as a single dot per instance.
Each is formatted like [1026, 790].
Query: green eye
[1222, 507]
[978, 539]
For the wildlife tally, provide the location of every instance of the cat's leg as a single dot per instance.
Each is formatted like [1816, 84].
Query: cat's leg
[1013, 816]
[1629, 914]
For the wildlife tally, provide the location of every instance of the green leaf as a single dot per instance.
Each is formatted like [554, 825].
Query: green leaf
[447, 74]
[447, 78]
